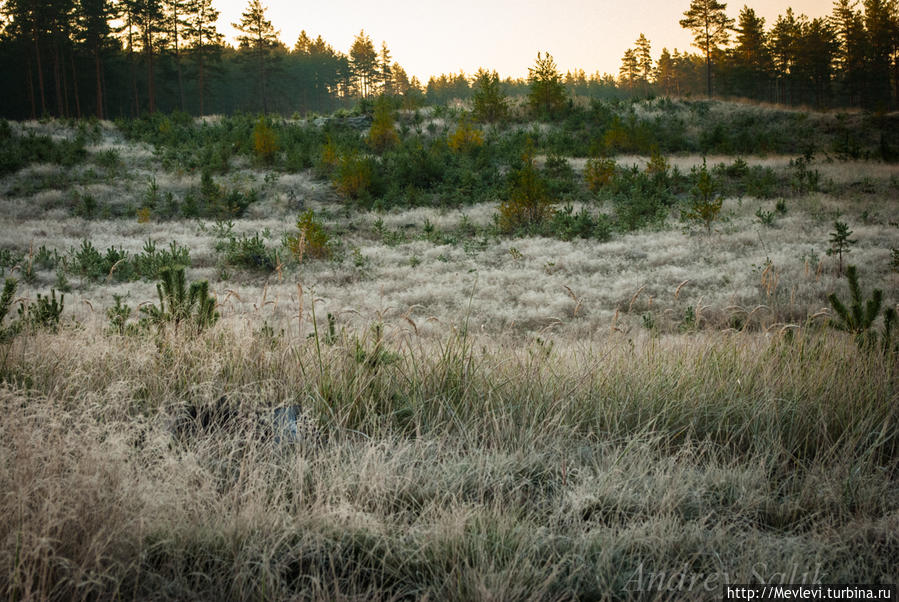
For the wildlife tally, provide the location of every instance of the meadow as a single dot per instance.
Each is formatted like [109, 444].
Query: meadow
[591, 357]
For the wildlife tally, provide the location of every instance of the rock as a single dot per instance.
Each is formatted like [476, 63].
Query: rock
[359, 122]
[291, 424]
[285, 424]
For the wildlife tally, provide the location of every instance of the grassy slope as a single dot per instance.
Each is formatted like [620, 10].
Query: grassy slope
[560, 451]
[456, 469]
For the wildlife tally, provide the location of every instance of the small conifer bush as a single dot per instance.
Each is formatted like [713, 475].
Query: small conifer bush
[180, 303]
[706, 204]
[311, 241]
[528, 204]
[599, 173]
[466, 138]
[859, 317]
[265, 143]
[840, 242]
[354, 175]
[382, 135]
[330, 157]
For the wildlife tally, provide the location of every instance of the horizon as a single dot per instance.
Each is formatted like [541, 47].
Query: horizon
[594, 43]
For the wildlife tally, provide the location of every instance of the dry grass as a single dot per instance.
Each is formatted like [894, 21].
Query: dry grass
[462, 468]
[515, 292]
[498, 422]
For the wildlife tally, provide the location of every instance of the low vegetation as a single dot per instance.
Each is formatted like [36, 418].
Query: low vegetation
[531, 365]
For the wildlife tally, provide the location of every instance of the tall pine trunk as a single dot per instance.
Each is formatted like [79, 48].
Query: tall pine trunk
[40, 66]
[98, 70]
[178, 59]
[708, 58]
[136, 104]
[57, 80]
[75, 85]
[264, 82]
[201, 82]
[151, 84]
[29, 83]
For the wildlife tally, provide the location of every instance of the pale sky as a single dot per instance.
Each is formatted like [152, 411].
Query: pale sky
[428, 37]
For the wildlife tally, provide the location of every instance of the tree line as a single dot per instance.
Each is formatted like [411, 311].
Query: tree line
[120, 58]
[78, 58]
[849, 58]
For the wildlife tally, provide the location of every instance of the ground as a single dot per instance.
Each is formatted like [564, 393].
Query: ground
[500, 417]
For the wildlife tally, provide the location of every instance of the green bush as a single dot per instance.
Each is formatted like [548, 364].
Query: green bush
[180, 304]
[705, 203]
[354, 177]
[151, 261]
[860, 316]
[44, 313]
[567, 225]
[528, 204]
[598, 173]
[17, 151]
[382, 134]
[118, 316]
[91, 265]
[248, 253]
[311, 241]
[639, 199]
[265, 143]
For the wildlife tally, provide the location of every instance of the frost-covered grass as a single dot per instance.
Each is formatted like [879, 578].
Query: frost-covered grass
[501, 417]
[454, 468]
[522, 285]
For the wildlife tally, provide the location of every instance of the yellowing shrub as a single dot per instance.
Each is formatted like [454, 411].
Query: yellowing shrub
[143, 215]
[330, 158]
[354, 176]
[311, 240]
[599, 173]
[658, 165]
[466, 138]
[382, 134]
[528, 203]
[265, 143]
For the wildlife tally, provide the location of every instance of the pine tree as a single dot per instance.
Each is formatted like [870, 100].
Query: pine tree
[175, 18]
[488, 102]
[840, 242]
[150, 21]
[95, 33]
[852, 38]
[630, 68]
[709, 24]
[705, 200]
[303, 44]
[129, 32]
[664, 73]
[364, 64]
[547, 96]
[784, 39]
[259, 38]
[883, 35]
[23, 28]
[47, 27]
[385, 70]
[750, 56]
[643, 55]
[400, 78]
[816, 51]
[203, 40]
[861, 314]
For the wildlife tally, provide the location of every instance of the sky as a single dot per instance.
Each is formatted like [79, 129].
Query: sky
[430, 37]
